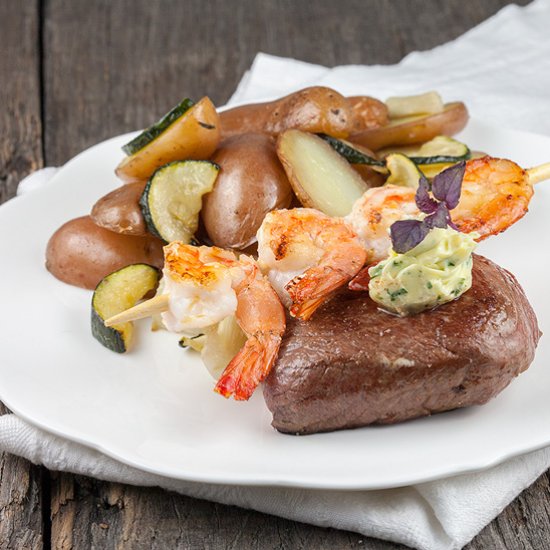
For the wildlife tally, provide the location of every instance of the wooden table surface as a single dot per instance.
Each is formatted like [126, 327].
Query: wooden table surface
[73, 73]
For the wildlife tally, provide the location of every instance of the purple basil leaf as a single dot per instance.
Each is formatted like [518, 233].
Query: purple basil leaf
[446, 186]
[406, 234]
[423, 200]
[452, 225]
[440, 218]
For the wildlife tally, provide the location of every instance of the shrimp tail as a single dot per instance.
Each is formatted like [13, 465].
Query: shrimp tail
[312, 289]
[249, 367]
[360, 283]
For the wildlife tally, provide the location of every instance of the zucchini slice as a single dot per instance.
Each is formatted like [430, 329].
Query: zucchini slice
[406, 164]
[156, 319]
[431, 170]
[441, 149]
[319, 176]
[115, 293]
[172, 199]
[154, 131]
[403, 171]
[351, 152]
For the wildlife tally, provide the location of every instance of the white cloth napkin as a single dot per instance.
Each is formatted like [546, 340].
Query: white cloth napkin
[502, 70]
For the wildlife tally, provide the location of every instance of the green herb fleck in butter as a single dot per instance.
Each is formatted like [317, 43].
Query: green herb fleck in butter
[434, 272]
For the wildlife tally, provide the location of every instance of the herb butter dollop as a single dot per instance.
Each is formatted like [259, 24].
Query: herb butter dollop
[434, 272]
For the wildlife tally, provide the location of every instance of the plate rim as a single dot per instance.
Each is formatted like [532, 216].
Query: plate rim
[472, 465]
[287, 481]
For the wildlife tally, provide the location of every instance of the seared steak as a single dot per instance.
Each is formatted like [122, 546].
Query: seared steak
[352, 365]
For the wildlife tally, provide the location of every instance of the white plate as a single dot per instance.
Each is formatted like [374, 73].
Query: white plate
[154, 407]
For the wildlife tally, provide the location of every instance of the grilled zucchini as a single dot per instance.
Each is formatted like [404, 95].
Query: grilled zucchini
[154, 131]
[115, 293]
[402, 171]
[172, 199]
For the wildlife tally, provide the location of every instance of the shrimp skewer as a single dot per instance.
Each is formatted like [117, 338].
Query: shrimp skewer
[308, 256]
[205, 285]
[495, 194]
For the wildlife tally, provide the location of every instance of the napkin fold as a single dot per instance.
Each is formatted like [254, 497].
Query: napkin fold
[501, 69]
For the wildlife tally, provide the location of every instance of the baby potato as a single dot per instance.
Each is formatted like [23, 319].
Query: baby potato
[251, 183]
[368, 113]
[81, 253]
[415, 129]
[244, 119]
[316, 109]
[119, 210]
[194, 135]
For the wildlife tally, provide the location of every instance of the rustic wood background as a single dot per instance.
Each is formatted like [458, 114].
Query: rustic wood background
[73, 73]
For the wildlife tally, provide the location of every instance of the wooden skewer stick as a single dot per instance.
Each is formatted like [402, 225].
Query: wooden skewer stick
[158, 304]
[539, 173]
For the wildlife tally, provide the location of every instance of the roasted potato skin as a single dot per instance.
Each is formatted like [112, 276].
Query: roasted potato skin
[244, 119]
[447, 123]
[250, 184]
[119, 210]
[195, 136]
[368, 113]
[81, 253]
[316, 109]
[371, 177]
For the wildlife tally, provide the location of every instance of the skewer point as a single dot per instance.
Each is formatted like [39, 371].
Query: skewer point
[539, 173]
[158, 304]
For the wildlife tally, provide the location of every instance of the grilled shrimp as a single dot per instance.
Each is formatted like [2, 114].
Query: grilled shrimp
[199, 284]
[207, 284]
[495, 195]
[262, 318]
[308, 256]
[373, 214]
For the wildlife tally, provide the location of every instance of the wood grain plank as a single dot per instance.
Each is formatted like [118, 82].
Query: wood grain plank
[21, 524]
[143, 57]
[21, 519]
[21, 146]
[119, 516]
[525, 523]
[134, 59]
